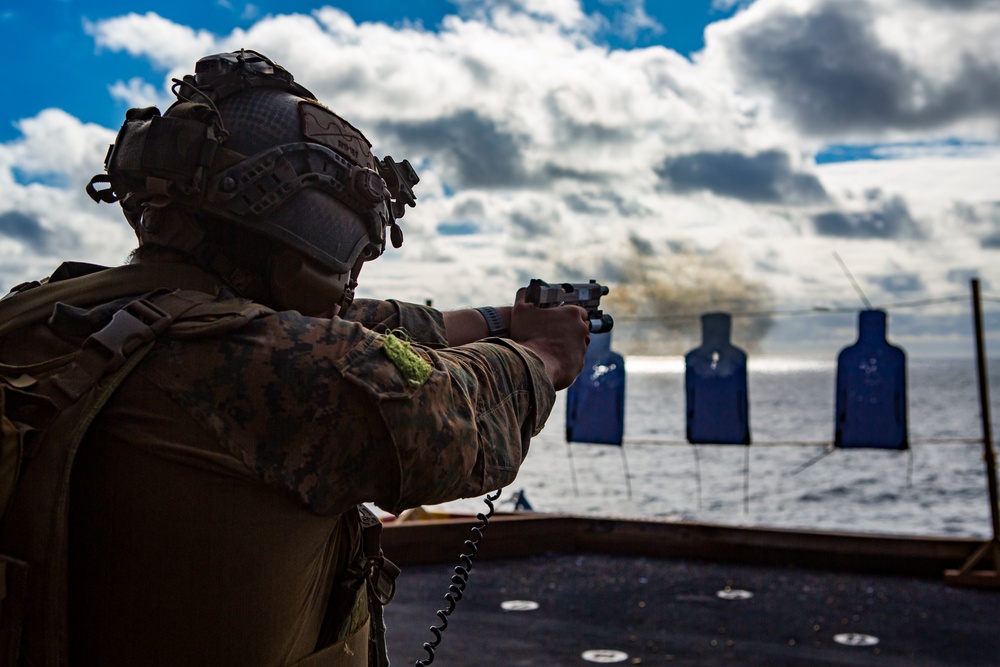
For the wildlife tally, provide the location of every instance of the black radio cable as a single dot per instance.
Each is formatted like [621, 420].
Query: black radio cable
[460, 579]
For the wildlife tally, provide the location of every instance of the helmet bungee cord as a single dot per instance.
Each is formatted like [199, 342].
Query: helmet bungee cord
[246, 149]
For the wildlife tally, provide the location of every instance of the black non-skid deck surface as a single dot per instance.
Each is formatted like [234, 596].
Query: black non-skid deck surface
[670, 612]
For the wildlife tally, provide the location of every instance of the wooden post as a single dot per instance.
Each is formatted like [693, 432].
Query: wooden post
[983, 567]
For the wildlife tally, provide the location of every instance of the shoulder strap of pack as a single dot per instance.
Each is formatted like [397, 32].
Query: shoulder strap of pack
[380, 575]
[35, 304]
[34, 529]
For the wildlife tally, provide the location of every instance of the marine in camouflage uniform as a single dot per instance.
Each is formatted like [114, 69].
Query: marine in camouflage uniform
[212, 516]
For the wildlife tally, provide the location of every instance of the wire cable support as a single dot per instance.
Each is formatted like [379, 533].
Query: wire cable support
[784, 443]
[799, 312]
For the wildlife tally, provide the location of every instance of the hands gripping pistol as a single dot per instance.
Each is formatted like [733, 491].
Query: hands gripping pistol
[586, 295]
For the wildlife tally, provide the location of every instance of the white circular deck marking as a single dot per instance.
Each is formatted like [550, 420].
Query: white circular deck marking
[519, 605]
[734, 594]
[855, 639]
[604, 655]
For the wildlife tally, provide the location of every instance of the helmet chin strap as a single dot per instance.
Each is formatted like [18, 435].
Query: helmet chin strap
[353, 283]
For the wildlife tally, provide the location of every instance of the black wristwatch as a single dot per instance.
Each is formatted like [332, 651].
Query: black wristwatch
[494, 321]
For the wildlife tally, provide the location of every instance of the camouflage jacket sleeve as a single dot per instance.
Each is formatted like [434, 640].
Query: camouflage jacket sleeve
[321, 409]
[423, 324]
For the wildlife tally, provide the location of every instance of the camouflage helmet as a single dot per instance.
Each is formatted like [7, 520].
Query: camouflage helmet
[245, 147]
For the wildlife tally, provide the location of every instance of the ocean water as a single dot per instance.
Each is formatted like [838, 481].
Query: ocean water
[785, 479]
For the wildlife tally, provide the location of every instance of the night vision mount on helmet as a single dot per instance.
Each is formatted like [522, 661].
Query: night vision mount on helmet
[245, 143]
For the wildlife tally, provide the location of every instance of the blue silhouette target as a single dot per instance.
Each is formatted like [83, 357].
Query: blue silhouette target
[715, 378]
[595, 403]
[871, 389]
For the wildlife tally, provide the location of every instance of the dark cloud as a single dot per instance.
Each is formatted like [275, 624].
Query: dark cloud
[568, 128]
[829, 72]
[962, 276]
[475, 151]
[983, 218]
[606, 203]
[991, 242]
[609, 272]
[606, 271]
[552, 172]
[903, 282]
[579, 203]
[480, 71]
[26, 229]
[603, 272]
[531, 226]
[765, 177]
[641, 246]
[959, 5]
[982, 212]
[680, 247]
[890, 220]
[470, 208]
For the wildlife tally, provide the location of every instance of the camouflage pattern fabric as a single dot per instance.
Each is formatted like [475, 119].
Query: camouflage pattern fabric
[207, 512]
[423, 323]
[316, 407]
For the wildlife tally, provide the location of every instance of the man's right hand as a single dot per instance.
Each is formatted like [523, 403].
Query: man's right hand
[559, 336]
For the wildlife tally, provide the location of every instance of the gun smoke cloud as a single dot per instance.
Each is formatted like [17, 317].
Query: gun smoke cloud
[658, 302]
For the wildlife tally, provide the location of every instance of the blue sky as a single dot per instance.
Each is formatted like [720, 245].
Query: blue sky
[67, 71]
[703, 155]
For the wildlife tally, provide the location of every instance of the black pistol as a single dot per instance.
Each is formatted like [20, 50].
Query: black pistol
[586, 295]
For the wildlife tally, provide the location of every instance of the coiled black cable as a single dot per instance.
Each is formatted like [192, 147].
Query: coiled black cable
[459, 580]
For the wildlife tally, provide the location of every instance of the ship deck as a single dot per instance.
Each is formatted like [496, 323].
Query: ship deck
[640, 593]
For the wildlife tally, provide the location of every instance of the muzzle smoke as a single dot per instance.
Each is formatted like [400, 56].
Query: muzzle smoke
[658, 305]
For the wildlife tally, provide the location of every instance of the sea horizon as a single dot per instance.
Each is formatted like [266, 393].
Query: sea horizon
[789, 477]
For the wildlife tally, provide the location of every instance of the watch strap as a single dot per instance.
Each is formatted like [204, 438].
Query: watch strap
[494, 321]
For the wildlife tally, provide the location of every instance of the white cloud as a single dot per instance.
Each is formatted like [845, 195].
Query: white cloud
[870, 70]
[54, 142]
[544, 154]
[164, 43]
[138, 93]
[517, 15]
[45, 215]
